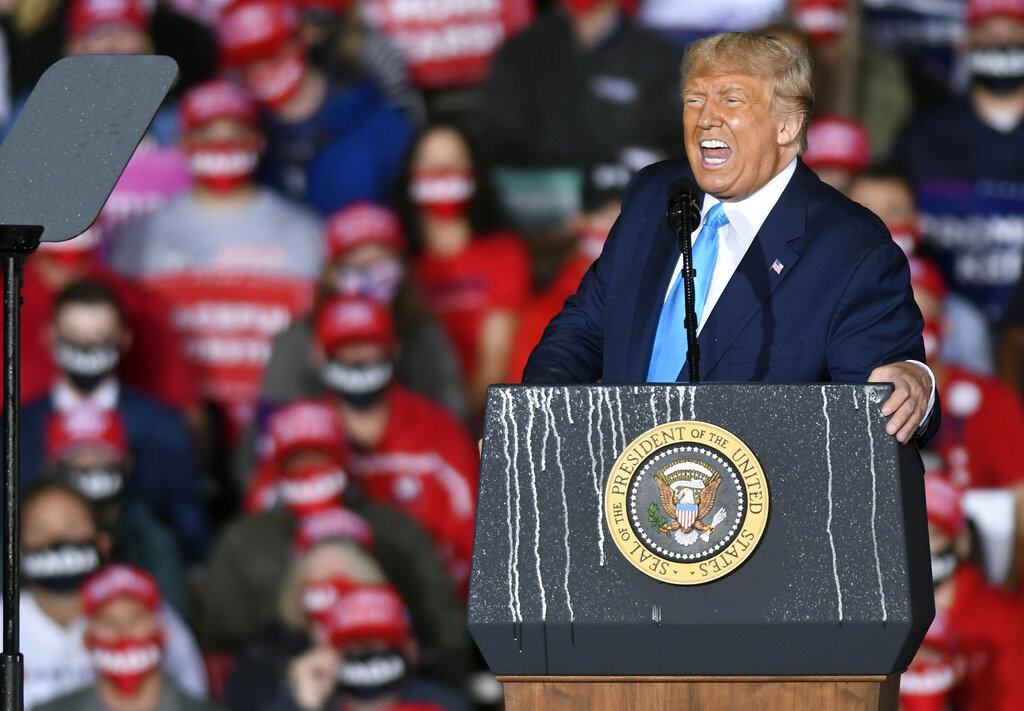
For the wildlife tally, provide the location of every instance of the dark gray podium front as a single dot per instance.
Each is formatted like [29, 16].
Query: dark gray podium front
[838, 586]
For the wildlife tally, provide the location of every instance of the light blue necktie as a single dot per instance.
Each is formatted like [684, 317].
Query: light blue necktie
[670, 346]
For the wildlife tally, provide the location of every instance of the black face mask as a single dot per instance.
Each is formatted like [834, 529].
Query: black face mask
[60, 567]
[359, 385]
[371, 675]
[997, 69]
[101, 485]
[944, 564]
[86, 366]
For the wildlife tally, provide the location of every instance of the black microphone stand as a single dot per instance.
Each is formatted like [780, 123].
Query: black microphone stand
[683, 217]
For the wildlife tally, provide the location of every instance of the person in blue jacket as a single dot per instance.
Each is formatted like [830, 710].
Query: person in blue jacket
[328, 144]
[89, 336]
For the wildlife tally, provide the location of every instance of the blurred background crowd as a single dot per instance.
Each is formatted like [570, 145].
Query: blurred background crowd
[253, 388]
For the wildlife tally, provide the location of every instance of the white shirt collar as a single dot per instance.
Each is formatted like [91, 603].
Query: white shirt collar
[104, 397]
[747, 215]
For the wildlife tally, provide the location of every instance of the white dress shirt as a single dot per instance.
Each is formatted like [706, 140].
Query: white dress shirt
[745, 219]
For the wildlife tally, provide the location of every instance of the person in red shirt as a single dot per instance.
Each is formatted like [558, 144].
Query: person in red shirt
[154, 360]
[407, 451]
[476, 277]
[971, 656]
[602, 202]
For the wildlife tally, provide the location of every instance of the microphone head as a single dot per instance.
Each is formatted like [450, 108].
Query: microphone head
[682, 195]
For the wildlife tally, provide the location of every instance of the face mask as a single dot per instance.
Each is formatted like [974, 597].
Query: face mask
[580, 7]
[907, 235]
[127, 661]
[592, 242]
[309, 491]
[223, 166]
[359, 385]
[100, 484]
[444, 194]
[86, 367]
[926, 686]
[997, 69]
[276, 83]
[60, 567]
[378, 281]
[943, 565]
[372, 675]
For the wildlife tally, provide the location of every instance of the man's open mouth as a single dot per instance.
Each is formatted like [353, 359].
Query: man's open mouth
[714, 152]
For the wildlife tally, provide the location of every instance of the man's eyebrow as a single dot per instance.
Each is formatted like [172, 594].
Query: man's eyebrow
[730, 89]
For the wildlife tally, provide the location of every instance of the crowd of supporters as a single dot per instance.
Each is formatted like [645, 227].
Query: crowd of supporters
[253, 388]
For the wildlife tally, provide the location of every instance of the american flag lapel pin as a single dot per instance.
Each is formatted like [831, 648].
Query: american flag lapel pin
[777, 267]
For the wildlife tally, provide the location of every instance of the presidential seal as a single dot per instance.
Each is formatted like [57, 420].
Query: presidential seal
[686, 502]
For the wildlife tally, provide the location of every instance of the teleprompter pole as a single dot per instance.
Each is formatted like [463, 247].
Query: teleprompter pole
[16, 243]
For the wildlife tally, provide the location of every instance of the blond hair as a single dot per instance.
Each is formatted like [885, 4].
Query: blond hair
[757, 55]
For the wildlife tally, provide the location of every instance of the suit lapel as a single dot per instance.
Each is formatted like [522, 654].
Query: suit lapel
[757, 275]
[654, 280]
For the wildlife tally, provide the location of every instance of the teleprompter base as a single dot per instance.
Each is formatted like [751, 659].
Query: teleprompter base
[635, 693]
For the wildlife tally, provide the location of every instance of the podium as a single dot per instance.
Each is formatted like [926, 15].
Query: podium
[698, 546]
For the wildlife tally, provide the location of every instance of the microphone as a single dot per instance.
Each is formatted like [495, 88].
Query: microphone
[682, 197]
[683, 216]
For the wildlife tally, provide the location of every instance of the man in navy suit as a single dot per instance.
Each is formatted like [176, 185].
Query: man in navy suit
[806, 286]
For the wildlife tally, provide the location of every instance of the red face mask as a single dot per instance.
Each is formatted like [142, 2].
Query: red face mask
[275, 83]
[320, 595]
[223, 166]
[580, 7]
[907, 235]
[313, 489]
[444, 194]
[74, 255]
[926, 686]
[126, 662]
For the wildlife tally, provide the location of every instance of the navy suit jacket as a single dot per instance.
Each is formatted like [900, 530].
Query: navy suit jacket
[840, 306]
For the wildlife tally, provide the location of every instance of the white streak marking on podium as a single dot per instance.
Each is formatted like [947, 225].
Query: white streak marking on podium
[546, 405]
[856, 405]
[828, 524]
[693, 403]
[656, 614]
[654, 409]
[568, 406]
[593, 470]
[597, 484]
[874, 504]
[512, 599]
[622, 420]
[518, 503]
[531, 399]
[565, 507]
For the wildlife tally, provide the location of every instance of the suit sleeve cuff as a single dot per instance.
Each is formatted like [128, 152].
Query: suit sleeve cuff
[931, 396]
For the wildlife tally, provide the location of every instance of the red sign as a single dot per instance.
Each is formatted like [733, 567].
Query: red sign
[449, 43]
[228, 323]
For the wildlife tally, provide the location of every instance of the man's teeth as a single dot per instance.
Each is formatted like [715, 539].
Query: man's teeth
[713, 143]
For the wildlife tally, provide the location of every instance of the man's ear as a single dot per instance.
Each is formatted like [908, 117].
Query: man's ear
[790, 127]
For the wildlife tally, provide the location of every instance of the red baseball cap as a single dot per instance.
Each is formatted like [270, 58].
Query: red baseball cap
[979, 10]
[116, 581]
[363, 223]
[337, 522]
[368, 614]
[85, 427]
[836, 142]
[823, 20]
[87, 16]
[251, 30]
[348, 319]
[925, 275]
[305, 424]
[218, 99]
[943, 499]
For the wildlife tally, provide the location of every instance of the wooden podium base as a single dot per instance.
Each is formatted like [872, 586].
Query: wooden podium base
[635, 693]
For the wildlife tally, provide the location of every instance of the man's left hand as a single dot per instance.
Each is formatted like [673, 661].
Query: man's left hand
[908, 403]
